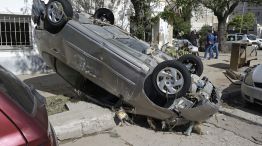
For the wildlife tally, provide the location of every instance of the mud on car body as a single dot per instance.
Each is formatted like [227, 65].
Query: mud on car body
[88, 49]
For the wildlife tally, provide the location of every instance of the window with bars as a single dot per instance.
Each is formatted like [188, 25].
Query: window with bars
[15, 31]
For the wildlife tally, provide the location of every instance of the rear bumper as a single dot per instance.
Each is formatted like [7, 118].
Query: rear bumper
[251, 94]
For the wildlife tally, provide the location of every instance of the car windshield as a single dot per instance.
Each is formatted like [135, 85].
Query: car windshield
[134, 44]
[231, 38]
[16, 90]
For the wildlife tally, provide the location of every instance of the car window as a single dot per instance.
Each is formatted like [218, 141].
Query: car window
[251, 37]
[16, 90]
[101, 32]
[239, 37]
[135, 53]
[231, 38]
[127, 40]
[115, 31]
[134, 44]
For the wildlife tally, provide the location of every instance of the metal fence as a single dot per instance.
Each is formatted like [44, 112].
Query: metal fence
[15, 31]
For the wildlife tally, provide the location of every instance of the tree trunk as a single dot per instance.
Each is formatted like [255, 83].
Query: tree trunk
[222, 28]
[141, 22]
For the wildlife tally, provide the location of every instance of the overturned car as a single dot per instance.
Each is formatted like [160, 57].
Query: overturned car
[86, 49]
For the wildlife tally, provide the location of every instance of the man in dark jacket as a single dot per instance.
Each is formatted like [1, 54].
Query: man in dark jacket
[193, 38]
[215, 46]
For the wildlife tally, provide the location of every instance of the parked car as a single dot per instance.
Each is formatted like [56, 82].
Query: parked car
[243, 38]
[251, 87]
[179, 43]
[85, 49]
[23, 115]
[259, 43]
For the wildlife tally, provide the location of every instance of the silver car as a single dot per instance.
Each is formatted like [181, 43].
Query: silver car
[89, 50]
[251, 87]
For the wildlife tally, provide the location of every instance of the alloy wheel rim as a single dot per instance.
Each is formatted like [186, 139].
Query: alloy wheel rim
[55, 12]
[170, 80]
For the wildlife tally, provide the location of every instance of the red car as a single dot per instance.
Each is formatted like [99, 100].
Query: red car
[23, 116]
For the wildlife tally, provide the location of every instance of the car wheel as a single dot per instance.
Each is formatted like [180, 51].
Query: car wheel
[105, 15]
[193, 64]
[171, 79]
[58, 12]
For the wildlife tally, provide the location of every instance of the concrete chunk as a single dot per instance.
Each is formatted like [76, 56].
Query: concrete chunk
[81, 119]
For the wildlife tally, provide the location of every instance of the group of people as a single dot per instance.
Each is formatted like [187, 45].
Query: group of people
[211, 45]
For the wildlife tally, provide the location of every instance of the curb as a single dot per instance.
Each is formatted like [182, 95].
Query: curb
[244, 116]
[81, 119]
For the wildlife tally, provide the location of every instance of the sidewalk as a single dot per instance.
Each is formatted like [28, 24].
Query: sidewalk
[241, 115]
[83, 118]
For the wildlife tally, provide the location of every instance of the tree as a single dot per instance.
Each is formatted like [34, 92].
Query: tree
[222, 9]
[142, 19]
[26, 9]
[182, 19]
[87, 5]
[247, 23]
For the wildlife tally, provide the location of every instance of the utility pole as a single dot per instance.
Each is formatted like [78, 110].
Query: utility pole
[243, 11]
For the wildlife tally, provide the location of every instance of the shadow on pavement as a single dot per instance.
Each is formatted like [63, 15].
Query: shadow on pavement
[142, 121]
[51, 83]
[220, 66]
[232, 98]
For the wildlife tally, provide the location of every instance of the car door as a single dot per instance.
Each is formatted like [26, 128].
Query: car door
[9, 134]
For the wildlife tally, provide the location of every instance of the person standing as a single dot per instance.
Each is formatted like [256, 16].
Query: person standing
[209, 45]
[193, 38]
[215, 46]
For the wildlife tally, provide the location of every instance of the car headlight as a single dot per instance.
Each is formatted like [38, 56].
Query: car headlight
[248, 79]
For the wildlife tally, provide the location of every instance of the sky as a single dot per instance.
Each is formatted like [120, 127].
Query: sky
[13, 6]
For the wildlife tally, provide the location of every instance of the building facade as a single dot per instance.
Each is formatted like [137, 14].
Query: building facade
[203, 17]
[17, 49]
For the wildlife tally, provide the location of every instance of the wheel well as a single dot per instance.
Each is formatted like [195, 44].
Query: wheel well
[105, 12]
[152, 94]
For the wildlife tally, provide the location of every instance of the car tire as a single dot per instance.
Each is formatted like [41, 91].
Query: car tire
[166, 84]
[38, 9]
[193, 64]
[105, 15]
[58, 12]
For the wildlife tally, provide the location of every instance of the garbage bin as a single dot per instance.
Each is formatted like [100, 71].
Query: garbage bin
[241, 55]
